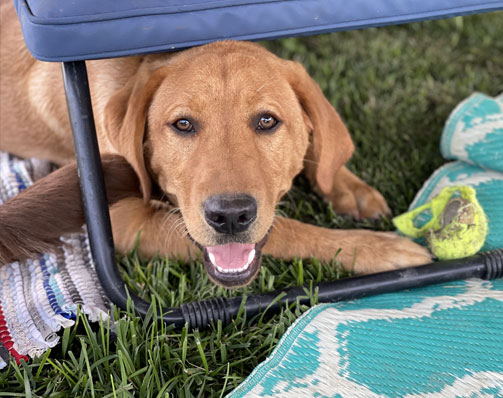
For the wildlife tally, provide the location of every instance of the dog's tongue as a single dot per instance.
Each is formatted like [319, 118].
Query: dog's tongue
[231, 255]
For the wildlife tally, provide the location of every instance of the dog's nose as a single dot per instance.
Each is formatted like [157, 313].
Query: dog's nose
[230, 214]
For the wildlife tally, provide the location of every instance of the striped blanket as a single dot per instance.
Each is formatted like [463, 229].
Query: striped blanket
[40, 296]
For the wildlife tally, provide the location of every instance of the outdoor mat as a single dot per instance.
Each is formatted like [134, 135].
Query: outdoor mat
[443, 341]
[39, 297]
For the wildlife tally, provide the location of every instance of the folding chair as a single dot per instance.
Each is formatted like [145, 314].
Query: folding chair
[74, 31]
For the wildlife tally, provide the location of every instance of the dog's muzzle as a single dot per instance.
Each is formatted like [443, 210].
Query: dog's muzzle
[236, 261]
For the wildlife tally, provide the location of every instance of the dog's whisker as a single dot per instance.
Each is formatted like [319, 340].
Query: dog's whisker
[168, 216]
[174, 227]
[172, 216]
[179, 227]
[163, 226]
[311, 161]
[173, 212]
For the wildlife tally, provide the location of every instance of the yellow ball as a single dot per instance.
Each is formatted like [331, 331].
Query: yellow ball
[457, 228]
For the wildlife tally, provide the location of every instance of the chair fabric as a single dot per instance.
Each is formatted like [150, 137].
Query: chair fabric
[63, 30]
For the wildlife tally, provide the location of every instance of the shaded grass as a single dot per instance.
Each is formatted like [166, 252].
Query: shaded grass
[394, 87]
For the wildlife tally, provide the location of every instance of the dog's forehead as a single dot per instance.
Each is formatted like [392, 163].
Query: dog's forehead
[238, 76]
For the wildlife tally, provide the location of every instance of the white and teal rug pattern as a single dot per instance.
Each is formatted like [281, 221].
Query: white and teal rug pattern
[443, 341]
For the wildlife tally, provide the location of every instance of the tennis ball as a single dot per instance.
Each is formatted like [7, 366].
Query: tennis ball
[458, 224]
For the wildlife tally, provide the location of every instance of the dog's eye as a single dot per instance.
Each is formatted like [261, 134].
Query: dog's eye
[184, 126]
[266, 122]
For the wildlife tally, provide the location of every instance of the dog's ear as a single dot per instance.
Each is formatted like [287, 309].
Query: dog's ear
[332, 145]
[125, 120]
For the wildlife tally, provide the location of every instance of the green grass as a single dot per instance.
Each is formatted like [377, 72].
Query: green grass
[394, 87]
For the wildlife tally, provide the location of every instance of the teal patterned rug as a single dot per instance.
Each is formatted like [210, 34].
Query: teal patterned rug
[437, 342]
[443, 341]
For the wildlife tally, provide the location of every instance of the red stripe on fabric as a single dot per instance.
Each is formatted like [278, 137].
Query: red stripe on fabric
[6, 339]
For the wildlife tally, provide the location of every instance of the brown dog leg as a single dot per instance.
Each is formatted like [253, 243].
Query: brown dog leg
[350, 195]
[361, 251]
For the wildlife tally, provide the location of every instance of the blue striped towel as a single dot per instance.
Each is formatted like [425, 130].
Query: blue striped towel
[39, 297]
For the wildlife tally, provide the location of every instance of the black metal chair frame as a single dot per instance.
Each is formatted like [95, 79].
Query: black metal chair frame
[202, 314]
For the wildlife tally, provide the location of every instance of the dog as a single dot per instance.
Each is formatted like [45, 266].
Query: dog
[215, 135]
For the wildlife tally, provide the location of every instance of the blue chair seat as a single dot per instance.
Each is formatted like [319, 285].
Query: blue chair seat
[64, 30]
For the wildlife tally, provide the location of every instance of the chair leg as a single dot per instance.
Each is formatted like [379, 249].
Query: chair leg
[92, 183]
[92, 186]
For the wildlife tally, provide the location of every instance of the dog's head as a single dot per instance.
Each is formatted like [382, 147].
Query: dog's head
[223, 129]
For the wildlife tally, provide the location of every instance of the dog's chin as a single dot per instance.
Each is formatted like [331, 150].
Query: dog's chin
[234, 264]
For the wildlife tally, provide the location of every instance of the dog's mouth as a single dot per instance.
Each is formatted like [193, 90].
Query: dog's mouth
[233, 264]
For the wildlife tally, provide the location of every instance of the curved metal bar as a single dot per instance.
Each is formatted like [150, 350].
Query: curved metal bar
[487, 265]
[201, 314]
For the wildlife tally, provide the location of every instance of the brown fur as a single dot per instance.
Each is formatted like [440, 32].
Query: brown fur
[222, 87]
[33, 221]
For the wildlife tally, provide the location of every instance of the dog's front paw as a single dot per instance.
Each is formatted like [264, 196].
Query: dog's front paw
[384, 251]
[356, 198]
[362, 201]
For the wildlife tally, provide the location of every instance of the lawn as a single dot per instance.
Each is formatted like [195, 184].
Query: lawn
[394, 87]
